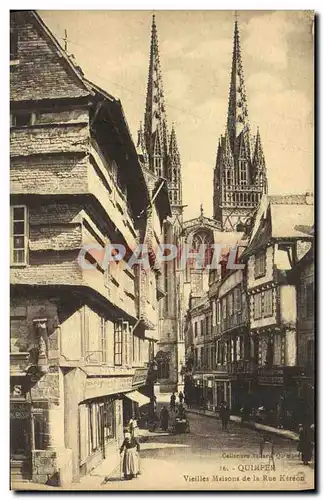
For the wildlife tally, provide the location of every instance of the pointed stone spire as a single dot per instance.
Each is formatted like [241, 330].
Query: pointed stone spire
[258, 157]
[174, 170]
[173, 148]
[155, 122]
[237, 118]
[259, 165]
[228, 159]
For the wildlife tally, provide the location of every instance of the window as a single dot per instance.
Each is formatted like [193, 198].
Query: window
[202, 327]
[19, 235]
[243, 172]
[260, 265]
[163, 370]
[13, 44]
[135, 348]
[125, 341]
[277, 349]
[109, 420]
[230, 305]
[118, 343]
[102, 424]
[104, 343]
[224, 308]
[218, 312]
[258, 306]
[268, 303]
[22, 119]
[19, 334]
[309, 297]
[237, 300]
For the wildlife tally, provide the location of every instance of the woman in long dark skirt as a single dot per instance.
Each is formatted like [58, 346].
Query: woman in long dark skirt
[164, 417]
[131, 456]
[305, 445]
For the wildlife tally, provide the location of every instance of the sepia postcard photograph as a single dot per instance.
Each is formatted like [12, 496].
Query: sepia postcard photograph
[162, 246]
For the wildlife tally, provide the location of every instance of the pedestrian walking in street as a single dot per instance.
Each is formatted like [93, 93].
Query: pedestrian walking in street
[172, 401]
[172, 419]
[224, 415]
[133, 426]
[245, 413]
[181, 397]
[164, 419]
[131, 450]
[305, 445]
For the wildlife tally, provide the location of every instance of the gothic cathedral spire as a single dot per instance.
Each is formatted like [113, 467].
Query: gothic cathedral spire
[237, 117]
[155, 122]
[154, 142]
[240, 174]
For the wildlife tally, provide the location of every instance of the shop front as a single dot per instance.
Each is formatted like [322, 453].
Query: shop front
[278, 396]
[20, 439]
[100, 431]
[108, 405]
[208, 391]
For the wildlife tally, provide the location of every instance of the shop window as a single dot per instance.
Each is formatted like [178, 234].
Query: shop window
[20, 428]
[109, 423]
[19, 235]
[19, 437]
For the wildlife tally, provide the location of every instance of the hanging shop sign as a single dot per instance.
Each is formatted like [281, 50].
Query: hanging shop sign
[140, 377]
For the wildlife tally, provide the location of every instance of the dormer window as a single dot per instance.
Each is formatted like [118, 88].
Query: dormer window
[22, 119]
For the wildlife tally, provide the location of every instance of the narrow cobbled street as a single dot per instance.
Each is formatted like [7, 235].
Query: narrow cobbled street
[210, 458]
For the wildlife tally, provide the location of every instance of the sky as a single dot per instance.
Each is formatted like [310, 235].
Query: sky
[112, 48]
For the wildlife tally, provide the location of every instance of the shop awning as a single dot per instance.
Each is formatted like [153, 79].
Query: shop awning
[137, 397]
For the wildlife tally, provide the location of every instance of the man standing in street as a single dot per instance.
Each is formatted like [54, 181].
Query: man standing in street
[181, 397]
[224, 415]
